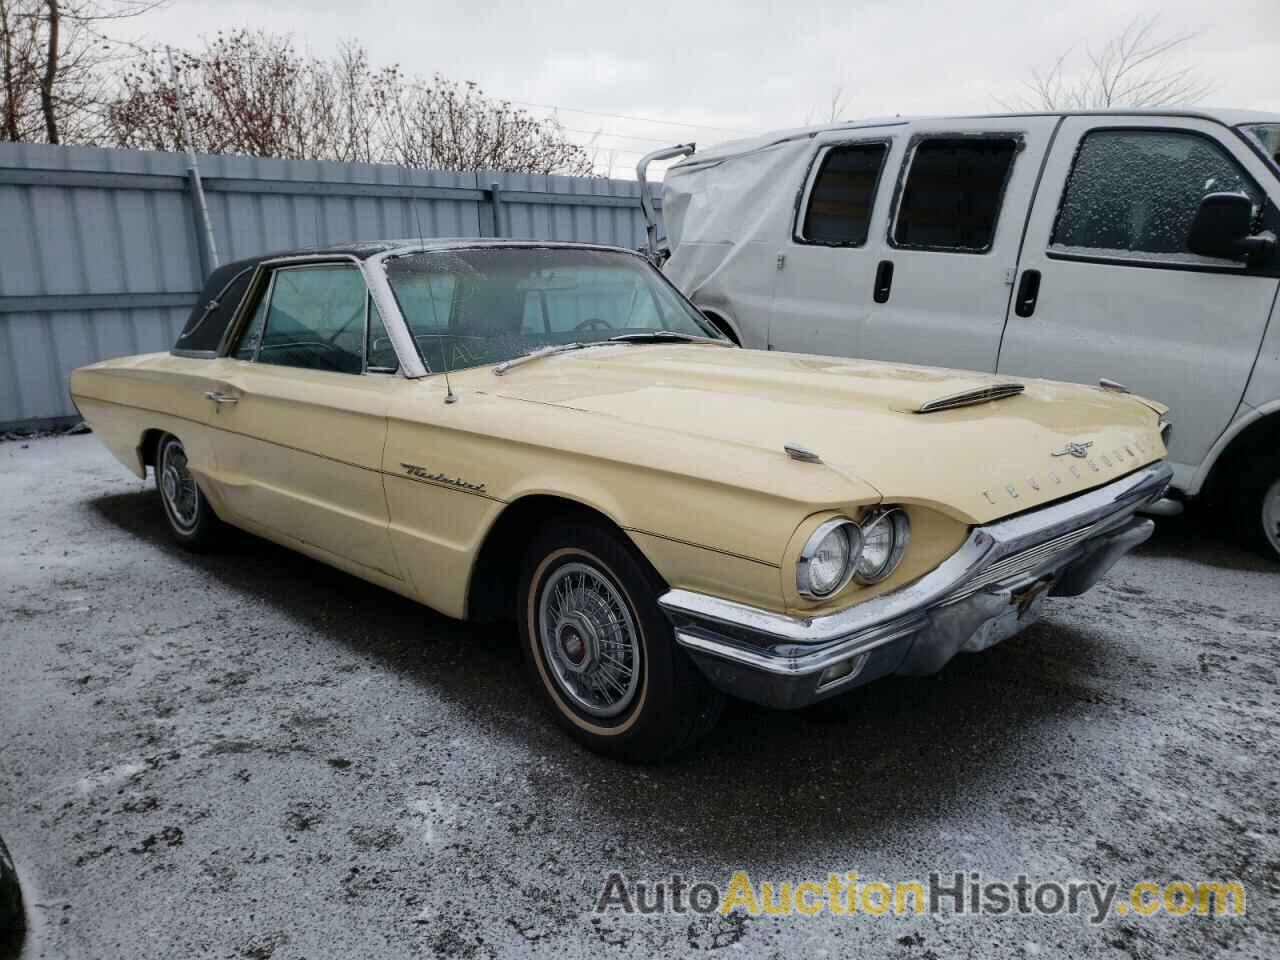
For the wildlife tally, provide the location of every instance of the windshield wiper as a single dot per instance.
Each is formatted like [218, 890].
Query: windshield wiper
[541, 352]
[649, 336]
[666, 336]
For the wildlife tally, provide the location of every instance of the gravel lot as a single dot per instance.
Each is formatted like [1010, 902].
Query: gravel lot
[253, 755]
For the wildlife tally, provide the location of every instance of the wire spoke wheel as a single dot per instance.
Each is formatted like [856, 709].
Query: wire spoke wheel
[589, 639]
[178, 488]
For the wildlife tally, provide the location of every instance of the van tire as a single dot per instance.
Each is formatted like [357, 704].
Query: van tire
[1255, 504]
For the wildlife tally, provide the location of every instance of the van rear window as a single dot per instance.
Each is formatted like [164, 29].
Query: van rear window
[843, 195]
[952, 195]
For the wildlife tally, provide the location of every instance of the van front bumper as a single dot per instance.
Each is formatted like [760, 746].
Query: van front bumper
[988, 590]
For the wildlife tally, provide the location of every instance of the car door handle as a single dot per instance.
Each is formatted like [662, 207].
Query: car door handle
[884, 281]
[221, 398]
[1024, 304]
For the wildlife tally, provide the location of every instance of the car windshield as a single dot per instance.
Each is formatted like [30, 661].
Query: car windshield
[487, 305]
[1267, 134]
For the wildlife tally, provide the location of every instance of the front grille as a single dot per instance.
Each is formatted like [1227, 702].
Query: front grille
[1025, 561]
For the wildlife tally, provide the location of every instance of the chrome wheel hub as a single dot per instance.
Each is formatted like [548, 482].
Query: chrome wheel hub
[1271, 516]
[178, 488]
[589, 640]
[576, 639]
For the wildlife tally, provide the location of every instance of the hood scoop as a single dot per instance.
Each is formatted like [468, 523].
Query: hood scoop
[969, 398]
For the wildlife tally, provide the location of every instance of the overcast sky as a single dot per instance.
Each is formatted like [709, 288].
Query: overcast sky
[745, 66]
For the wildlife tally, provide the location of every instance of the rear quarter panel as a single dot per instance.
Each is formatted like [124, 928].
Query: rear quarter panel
[121, 399]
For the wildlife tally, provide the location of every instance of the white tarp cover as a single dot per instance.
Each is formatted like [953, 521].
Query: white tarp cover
[737, 200]
[716, 207]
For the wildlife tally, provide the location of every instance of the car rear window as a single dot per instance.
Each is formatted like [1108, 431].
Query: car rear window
[952, 194]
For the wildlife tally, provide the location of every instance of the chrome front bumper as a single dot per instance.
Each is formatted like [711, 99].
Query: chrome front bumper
[987, 590]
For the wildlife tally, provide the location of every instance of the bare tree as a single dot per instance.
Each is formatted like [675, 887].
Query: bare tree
[55, 61]
[453, 126]
[830, 112]
[252, 93]
[1135, 68]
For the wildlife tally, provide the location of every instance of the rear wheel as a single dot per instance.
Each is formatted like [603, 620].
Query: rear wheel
[602, 652]
[1255, 502]
[192, 522]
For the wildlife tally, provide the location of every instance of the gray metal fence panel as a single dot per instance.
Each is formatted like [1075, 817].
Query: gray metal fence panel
[100, 254]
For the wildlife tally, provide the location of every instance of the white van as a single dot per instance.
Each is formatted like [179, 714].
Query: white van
[1135, 247]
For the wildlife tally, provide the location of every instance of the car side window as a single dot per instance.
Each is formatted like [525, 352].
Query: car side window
[952, 193]
[843, 195]
[252, 336]
[316, 319]
[380, 351]
[1136, 192]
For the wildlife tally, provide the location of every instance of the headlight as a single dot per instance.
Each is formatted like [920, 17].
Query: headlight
[885, 534]
[1166, 431]
[827, 561]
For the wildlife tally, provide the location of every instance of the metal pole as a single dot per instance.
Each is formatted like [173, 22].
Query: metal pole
[193, 168]
[495, 198]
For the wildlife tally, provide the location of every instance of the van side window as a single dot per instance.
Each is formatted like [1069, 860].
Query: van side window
[843, 195]
[1137, 192]
[952, 194]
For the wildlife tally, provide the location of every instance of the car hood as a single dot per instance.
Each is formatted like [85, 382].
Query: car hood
[976, 463]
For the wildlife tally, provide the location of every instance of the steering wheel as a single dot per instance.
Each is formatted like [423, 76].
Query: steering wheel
[593, 323]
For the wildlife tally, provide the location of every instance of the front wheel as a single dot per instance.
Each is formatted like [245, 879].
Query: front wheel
[1256, 504]
[601, 651]
[192, 522]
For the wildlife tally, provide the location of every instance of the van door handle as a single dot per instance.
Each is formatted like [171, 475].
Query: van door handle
[221, 398]
[884, 281]
[1024, 304]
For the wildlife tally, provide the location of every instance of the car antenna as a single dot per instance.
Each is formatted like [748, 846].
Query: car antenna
[449, 395]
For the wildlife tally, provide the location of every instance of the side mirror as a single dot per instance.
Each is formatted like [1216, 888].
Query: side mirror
[1221, 229]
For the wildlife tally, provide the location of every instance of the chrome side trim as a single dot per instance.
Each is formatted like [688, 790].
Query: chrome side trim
[1014, 542]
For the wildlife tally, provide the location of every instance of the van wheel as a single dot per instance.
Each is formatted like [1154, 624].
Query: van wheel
[601, 651]
[192, 522]
[1255, 503]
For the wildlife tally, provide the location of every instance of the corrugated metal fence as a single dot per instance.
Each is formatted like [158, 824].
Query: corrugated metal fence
[101, 255]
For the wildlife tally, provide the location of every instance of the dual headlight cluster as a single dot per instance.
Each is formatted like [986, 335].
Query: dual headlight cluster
[841, 550]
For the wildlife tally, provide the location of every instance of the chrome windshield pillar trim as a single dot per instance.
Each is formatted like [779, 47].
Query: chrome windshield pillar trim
[375, 278]
[1014, 550]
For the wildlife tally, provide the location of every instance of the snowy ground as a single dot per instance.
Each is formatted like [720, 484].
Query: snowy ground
[252, 755]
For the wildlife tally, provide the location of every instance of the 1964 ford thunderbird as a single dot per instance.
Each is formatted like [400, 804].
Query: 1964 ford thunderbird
[551, 433]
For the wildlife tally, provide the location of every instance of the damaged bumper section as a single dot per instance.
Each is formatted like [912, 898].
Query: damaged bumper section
[988, 590]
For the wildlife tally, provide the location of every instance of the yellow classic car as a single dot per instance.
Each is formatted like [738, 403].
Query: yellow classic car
[551, 433]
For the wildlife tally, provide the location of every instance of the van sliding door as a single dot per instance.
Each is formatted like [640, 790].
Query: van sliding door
[940, 291]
